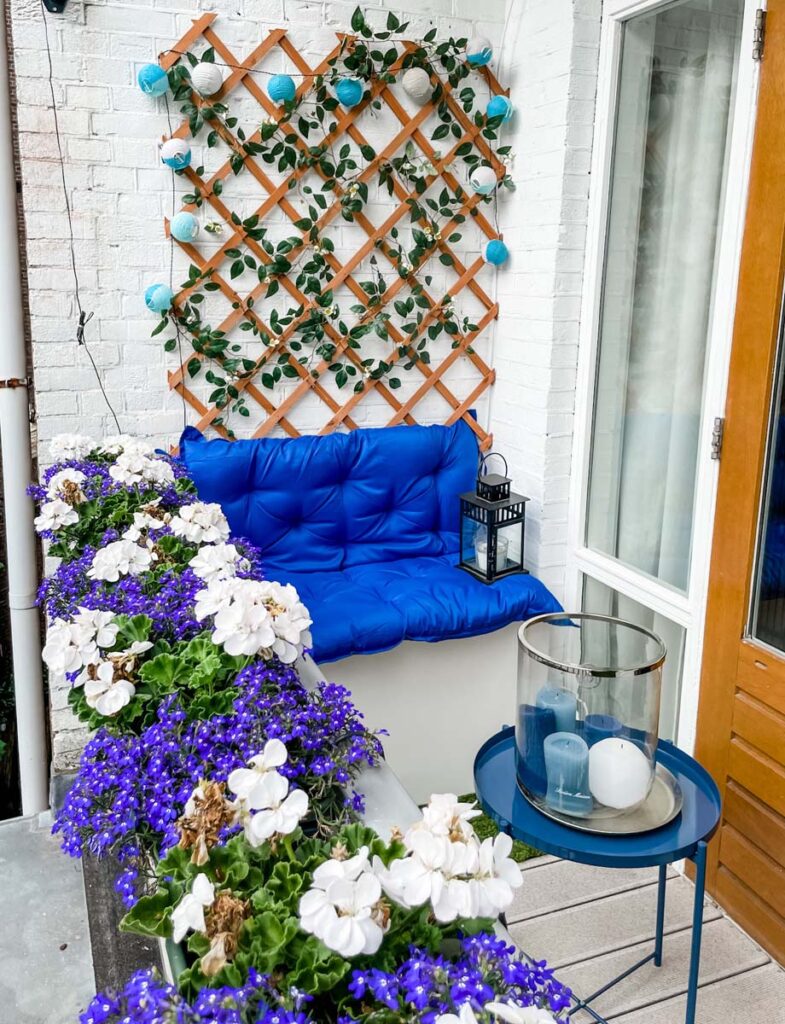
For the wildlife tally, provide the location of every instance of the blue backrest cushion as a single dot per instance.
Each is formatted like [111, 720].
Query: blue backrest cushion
[330, 502]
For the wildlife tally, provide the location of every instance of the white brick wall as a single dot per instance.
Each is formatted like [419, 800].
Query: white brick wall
[550, 62]
[120, 193]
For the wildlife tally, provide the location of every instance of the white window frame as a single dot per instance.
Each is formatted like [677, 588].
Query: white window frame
[686, 609]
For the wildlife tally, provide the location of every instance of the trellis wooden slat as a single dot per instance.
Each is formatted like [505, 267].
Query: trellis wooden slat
[276, 197]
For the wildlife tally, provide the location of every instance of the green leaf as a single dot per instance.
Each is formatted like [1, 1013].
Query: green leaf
[151, 915]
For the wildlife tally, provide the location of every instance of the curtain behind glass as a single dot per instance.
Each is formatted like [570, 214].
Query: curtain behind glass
[676, 87]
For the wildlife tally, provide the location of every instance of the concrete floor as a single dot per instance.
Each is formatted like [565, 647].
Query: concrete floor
[47, 968]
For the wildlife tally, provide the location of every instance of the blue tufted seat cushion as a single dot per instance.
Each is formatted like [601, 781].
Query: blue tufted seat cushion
[365, 525]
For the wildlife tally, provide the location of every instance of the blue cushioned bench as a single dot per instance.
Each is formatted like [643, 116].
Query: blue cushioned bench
[365, 525]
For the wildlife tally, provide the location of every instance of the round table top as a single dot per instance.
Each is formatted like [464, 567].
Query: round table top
[497, 788]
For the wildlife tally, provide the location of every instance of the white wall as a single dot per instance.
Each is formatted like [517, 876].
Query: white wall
[550, 62]
[120, 193]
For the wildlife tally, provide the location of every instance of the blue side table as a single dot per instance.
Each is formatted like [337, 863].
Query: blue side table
[686, 836]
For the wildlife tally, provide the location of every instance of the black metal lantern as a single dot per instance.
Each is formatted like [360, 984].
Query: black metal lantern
[492, 525]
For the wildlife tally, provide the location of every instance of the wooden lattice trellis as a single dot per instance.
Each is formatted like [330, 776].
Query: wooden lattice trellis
[277, 196]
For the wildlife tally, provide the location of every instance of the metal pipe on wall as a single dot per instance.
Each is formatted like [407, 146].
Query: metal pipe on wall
[21, 540]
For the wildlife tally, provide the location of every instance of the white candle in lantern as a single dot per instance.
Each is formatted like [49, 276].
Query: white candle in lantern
[620, 774]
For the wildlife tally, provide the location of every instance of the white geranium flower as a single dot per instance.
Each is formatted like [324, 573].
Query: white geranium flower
[60, 653]
[131, 468]
[511, 1013]
[145, 523]
[120, 558]
[342, 906]
[70, 446]
[250, 617]
[281, 818]
[465, 1015]
[59, 480]
[496, 877]
[217, 562]
[72, 645]
[445, 815]
[104, 693]
[201, 523]
[54, 515]
[261, 786]
[188, 915]
[116, 444]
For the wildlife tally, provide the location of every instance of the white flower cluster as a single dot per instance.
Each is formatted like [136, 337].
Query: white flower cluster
[133, 467]
[70, 446]
[117, 444]
[200, 523]
[124, 557]
[510, 1013]
[217, 562]
[66, 480]
[449, 867]
[446, 865]
[146, 523]
[188, 915]
[70, 646]
[250, 616]
[54, 515]
[344, 906]
[80, 645]
[265, 805]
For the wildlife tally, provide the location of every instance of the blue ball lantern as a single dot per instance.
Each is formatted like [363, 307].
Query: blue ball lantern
[479, 51]
[496, 252]
[281, 89]
[152, 80]
[158, 298]
[499, 106]
[349, 92]
[184, 227]
[176, 153]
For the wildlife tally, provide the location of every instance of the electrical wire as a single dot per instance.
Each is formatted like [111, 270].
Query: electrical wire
[171, 267]
[84, 317]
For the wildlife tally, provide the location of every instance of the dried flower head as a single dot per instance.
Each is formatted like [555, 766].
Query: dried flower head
[207, 813]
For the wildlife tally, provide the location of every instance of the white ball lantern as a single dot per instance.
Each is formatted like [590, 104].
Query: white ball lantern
[206, 78]
[417, 85]
[619, 774]
[483, 180]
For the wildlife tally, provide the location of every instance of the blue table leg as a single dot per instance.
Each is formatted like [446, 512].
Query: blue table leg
[697, 930]
[660, 915]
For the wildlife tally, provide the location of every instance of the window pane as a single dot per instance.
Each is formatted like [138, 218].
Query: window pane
[678, 73]
[599, 598]
[768, 609]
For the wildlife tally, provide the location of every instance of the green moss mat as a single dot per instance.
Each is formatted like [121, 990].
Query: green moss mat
[484, 827]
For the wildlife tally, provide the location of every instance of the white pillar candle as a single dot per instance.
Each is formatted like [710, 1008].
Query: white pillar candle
[620, 774]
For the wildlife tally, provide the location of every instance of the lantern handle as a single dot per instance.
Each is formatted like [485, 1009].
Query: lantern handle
[483, 469]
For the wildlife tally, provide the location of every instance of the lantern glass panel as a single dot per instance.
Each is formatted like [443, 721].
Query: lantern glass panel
[588, 710]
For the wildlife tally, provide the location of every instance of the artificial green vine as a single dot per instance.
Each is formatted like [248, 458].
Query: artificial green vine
[301, 139]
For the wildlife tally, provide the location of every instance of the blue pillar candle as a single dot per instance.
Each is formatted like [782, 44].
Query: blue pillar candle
[534, 726]
[563, 704]
[567, 771]
[600, 727]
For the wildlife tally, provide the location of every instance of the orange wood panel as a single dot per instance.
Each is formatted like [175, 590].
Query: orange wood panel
[741, 717]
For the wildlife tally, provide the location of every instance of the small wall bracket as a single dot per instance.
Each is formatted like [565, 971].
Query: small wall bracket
[15, 382]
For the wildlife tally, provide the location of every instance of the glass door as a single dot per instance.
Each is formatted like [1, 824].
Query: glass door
[657, 305]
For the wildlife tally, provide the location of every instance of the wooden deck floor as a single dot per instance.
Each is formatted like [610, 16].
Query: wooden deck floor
[591, 923]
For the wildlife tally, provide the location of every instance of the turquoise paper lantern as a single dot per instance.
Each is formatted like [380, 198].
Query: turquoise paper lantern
[184, 227]
[499, 106]
[281, 89]
[176, 153]
[153, 80]
[349, 92]
[496, 252]
[158, 298]
[479, 51]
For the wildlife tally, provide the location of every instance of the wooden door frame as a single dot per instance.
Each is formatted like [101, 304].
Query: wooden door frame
[750, 383]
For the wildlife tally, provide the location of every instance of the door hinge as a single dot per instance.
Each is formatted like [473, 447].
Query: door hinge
[759, 33]
[717, 435]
